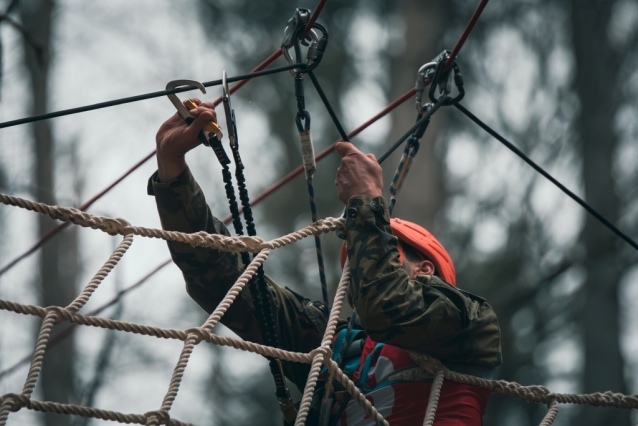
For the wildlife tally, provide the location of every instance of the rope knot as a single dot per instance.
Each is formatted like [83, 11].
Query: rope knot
[431, 365]
[322, 350]
[254, 244]
[61, 313]
[160, 415]
[199, 333]
[200, 238]
[115, 226]
[14, 402]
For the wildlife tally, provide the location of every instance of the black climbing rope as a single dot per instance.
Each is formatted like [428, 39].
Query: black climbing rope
[258, 287]
[316, 46]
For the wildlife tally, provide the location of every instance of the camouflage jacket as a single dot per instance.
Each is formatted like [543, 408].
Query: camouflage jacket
[425, 315]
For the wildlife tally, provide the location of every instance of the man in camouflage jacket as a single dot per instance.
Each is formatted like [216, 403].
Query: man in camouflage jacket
[400, 305]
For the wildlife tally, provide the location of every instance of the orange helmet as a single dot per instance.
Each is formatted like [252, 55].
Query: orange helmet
[423, 243]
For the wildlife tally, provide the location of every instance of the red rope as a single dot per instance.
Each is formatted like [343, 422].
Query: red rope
[274, 187]
[457, 47]
[313, 18]
[465, 34]
[297, 171]
[54, 231]
[269, 60]
[71, 328]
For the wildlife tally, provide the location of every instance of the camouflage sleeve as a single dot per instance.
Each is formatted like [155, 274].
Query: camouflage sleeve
[209, 274]
[425, 315]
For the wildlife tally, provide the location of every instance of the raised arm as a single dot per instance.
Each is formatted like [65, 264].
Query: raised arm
[209, 273]
[423, 314]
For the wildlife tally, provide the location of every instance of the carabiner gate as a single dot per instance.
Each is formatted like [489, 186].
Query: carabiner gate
[230, 114]
[426, 71]
[444, 81]
[184, 112]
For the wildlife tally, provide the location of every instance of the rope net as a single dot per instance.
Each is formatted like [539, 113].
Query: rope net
[322, 355]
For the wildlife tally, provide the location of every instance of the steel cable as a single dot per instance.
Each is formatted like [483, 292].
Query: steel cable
[548, 176]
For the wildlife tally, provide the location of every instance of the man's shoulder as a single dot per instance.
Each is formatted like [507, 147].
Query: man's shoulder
[479, 341]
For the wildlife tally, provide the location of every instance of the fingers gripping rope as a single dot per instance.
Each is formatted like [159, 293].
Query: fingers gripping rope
[191, 337]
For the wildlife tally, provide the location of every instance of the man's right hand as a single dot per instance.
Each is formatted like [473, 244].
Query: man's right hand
[175, 138]
[359, 173]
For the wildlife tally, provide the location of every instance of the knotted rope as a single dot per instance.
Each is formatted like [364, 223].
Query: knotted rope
[191, 337]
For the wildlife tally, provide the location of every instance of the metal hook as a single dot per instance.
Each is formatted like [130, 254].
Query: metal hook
[184, 112]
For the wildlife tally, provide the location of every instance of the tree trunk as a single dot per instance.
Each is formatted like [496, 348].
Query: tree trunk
[422, 195]
[596, 84]
[57, 372]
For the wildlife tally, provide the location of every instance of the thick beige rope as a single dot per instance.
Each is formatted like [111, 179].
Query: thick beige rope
[19, 401]
[433, 401]
[552, 412]
[34, 368]
[191, 337]
[165, 333]
[194, 338]
[81, 300]
[239, 285]
[353, 390]
[325, 357]
[200, 239]
[315, 367]
[51, 319]
[534, 393]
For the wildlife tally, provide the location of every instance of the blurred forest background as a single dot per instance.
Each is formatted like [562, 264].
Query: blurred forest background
[558, 77]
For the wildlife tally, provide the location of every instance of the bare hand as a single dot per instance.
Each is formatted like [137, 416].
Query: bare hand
[359, 174]
[175, 138]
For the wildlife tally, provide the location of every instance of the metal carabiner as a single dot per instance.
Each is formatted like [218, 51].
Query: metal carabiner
[184, 112]
[230, 114]
[317, 46]
[310, 55]
[301, 16]
[426, 71]
[443, 80]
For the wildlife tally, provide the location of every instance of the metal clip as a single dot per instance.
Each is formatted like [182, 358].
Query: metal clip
[444, 81]
[230, 122]
[230, 116]
[316, 45]
[313, 49]
[301, 16]
[184, 112]
[425, 72]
